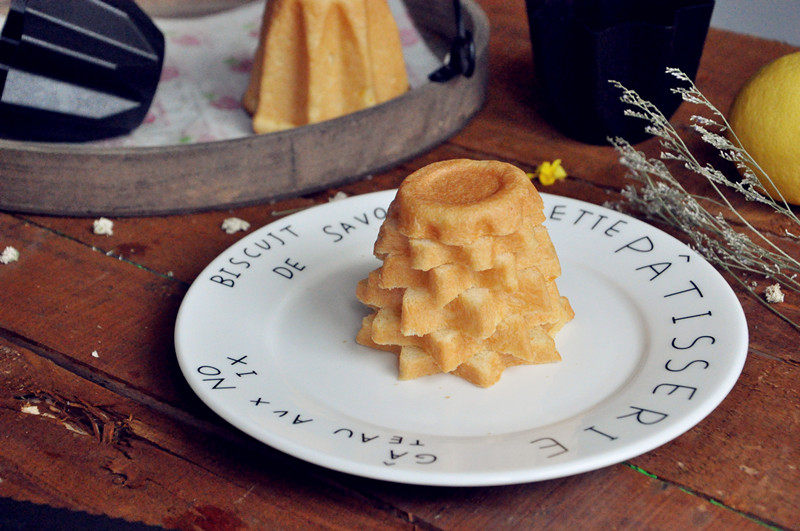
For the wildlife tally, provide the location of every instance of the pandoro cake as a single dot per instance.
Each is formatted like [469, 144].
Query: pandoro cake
[320, 59]
[467, 285]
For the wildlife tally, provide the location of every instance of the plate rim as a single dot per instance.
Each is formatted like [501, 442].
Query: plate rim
[541, 472]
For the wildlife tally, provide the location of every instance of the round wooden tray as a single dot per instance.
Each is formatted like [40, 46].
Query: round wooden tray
[70, 179]
[187, 8]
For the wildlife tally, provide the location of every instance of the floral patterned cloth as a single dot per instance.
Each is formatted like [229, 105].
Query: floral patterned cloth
[207, 68]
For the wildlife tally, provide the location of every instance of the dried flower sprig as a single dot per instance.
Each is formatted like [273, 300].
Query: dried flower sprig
[660, 195]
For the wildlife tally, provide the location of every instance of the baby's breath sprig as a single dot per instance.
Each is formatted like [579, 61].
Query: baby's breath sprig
[660, 196]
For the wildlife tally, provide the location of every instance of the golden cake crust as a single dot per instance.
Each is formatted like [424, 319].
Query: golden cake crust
[467, 285]
[458, 201]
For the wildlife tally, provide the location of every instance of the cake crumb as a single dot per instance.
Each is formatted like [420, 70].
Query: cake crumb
[9, 255]
[95, 354]
[72, 427]
[748, 470]
[338, 196]
[774, 294]
[30, 409]
[103, 226]
[232, 225]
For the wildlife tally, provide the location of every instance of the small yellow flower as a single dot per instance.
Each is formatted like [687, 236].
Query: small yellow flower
[549, 172]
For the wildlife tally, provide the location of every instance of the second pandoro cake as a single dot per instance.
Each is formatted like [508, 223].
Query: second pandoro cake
[321, 59]
[467, 284]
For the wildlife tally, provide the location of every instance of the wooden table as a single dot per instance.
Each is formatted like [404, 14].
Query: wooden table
[120, 434]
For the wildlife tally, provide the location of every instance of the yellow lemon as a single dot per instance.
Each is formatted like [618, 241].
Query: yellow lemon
[766, 118]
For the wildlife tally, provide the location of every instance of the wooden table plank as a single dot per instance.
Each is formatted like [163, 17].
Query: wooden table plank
[746, 451]
[70, 443]
[106, 454]
[614, 497]
[132, 347]
[65, 299]
[73, 301]
[181, 245]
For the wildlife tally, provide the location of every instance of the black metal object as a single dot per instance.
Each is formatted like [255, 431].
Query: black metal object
[27, 516]
[461, 59]
[75, 70]
[578, 45]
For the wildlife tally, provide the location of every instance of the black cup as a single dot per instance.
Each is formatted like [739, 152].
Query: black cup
[579, 45]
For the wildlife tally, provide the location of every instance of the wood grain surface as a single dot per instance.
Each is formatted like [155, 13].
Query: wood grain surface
[122, 435]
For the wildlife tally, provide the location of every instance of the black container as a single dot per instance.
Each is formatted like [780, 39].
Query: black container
[74, 70]
[579, 45]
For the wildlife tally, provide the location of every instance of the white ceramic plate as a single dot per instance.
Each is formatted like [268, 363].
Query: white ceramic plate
[265, 337]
